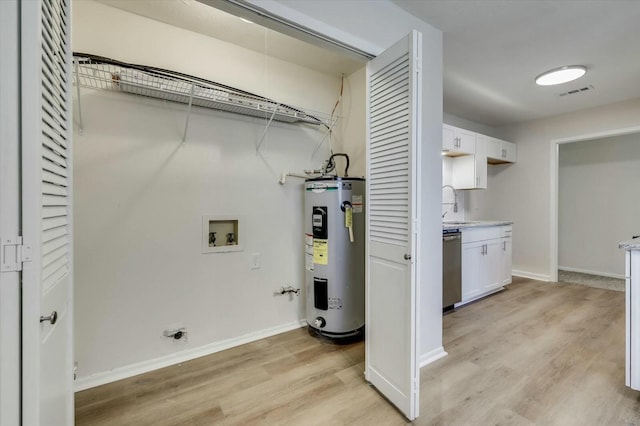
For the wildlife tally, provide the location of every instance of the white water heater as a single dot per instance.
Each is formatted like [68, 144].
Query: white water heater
[334, 256]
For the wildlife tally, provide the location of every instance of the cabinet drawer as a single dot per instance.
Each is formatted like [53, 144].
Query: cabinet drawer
[472, 235]
[506, 231]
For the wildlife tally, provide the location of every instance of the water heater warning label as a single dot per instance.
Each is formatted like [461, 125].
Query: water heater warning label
[356, 202]
[308, 252]
[335, 303]
[320, 251]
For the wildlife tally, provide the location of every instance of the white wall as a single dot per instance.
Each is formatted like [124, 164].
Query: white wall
[463, 123]
[359, 25]
[521, 192]
[598, 207]
[140, 196]
[353, 124]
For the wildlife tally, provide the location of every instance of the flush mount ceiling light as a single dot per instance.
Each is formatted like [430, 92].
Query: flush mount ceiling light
[561, 75]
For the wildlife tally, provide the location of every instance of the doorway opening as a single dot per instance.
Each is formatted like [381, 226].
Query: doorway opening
[590, 207]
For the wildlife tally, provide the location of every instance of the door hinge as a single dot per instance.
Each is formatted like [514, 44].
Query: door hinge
[13, 254]
[418, 64]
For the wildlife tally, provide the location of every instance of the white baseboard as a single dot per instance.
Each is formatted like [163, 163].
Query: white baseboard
[432, 356]
[164, 361]
[585, 271]
[531, 275]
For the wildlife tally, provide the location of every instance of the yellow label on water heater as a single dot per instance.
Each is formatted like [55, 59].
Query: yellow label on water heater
[348, 217]
[320, 252]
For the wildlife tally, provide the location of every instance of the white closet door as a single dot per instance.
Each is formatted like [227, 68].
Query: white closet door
[47, 345]
[9, 214]
[393, 127]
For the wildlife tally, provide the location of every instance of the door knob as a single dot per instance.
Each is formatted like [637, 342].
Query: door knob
[407, 257]
[51, 318]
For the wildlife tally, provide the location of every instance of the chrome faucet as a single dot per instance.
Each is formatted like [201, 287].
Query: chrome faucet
[455, 198]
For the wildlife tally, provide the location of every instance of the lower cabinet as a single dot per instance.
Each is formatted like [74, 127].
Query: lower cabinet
[632, 319]
[505, 260]
[486, 261]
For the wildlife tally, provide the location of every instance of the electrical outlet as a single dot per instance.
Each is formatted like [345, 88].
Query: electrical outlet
[255, 260]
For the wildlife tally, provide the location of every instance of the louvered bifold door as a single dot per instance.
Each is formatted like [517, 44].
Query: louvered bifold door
[46, 212]
[393, 126]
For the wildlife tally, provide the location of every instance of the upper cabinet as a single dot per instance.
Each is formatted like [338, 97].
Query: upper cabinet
[470, 171]
[456, 141]
[468, 153]
[500, 152]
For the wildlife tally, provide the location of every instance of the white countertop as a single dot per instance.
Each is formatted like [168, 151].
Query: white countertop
[630, 245]
[476, 224]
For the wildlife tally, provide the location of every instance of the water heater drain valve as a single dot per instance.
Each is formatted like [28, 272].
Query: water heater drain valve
[319, 322]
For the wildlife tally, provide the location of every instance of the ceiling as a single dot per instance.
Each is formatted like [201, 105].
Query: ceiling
[203, 19]
[493, 50]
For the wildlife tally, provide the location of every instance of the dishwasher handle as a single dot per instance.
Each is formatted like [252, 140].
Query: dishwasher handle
[451, 237]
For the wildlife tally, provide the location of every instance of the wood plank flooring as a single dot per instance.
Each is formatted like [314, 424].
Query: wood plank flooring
[534, 354]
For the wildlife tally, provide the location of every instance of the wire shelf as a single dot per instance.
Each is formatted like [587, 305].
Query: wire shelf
[107, 74]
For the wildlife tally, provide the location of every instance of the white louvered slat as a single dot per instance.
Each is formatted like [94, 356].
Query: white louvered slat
[53, 178]
[51, 279]
[53, 211]
[54, 168]
[55, 222]
[49, 141]
[51, 234]
[55, 257]
[54, 140]
[54, 244]
[54, 157]
[54, 200]
[48, 188]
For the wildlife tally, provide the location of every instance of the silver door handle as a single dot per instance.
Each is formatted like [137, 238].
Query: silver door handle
[407, 257]
[51, 318]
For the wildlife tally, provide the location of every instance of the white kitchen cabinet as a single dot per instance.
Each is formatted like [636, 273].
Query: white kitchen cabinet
[499, 151]
[505, 255]
[456, 141]
[485, 261]
[632, 317]
[470, 171]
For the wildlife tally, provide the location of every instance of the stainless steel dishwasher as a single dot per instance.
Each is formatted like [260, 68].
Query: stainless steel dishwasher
[451, 268]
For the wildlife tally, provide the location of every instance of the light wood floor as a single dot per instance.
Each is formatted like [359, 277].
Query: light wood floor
[534, 354]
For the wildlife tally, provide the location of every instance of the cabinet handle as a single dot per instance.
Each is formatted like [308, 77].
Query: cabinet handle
[504, 153]
[504, 246]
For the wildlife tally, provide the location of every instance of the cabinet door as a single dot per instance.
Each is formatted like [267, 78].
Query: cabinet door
[505, 261]
[494, 148]
[463, 172]
[492, 265]
[509, 152]
[458, 141]
[448, 138]
[473, 276]
[466, 141]
[500, 152]
[469, 172]
[481, 162]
